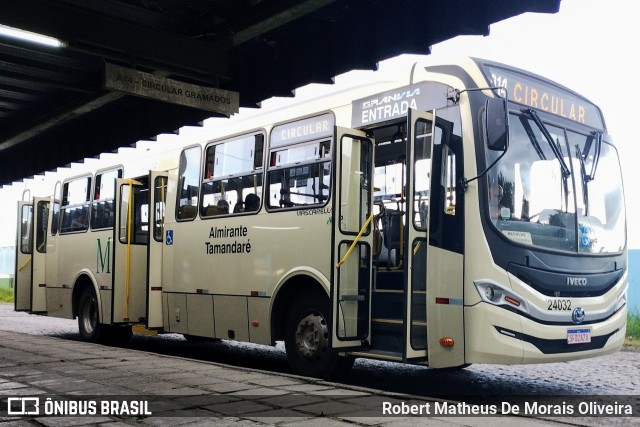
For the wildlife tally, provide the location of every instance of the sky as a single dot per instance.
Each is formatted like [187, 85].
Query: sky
[589, 46]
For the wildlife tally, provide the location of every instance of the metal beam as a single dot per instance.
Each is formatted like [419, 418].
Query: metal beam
[60, 119]
[118, 39]
[287, 13]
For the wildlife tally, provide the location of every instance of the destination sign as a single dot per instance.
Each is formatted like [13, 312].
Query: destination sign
[168, 90]
[543, 95]
[303, 130]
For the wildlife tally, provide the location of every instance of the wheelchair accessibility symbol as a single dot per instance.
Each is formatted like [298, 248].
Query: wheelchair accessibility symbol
[169, 239]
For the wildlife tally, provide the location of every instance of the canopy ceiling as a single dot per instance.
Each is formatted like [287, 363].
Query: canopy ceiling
[54, 108]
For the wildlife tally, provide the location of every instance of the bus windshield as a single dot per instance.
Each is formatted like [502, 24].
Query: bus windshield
[532, 202]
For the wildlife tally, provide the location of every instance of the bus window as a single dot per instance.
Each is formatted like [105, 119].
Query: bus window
[26, 242]
[160, 188]
[188, 184]
[448, 181]
[55, 211]
[75, 205]
[103, 195]
[138, 218]
[422, 159]
[41, 226]
[232, 180]
[300, 175]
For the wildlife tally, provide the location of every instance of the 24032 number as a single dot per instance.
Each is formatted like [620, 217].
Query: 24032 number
[559, 305]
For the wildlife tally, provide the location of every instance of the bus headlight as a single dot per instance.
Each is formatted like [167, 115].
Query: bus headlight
[489, 293]
[497, 294]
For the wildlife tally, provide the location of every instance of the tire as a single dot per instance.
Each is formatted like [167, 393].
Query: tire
[91, 330]
[307, 339]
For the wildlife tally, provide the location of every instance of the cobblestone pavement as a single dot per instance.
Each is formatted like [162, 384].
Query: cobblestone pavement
[35, 360]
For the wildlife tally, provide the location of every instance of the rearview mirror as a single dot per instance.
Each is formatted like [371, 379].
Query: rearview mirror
[496, 124]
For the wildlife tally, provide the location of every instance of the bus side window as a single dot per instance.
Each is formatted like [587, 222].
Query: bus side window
[187, 203]
[300, 175]
[76, 196]
[102, 214]
[449, 180]
[55, 221]
[232, 176]
[26, 243]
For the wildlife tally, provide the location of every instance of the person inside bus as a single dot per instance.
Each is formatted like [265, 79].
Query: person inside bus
[495, 198]
[107, 216]
[80, 221]
[251, 203]
[223, 207]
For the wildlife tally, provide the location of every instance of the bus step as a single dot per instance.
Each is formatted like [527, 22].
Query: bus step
[389, 279]
[380, 354]
[387, 304]
[387, 335]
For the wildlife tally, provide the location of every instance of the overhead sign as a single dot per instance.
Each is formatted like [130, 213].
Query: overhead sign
[169, 90]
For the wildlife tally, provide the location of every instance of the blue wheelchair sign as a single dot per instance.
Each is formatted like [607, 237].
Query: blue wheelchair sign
[169, 239]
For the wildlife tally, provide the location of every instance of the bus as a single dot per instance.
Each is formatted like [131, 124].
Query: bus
[473, 213]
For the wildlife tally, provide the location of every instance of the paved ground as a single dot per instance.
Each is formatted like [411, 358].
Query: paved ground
[42, 357]
[186, 392]
[616, 374]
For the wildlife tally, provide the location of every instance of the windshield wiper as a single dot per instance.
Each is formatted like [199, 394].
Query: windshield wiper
[597, 137]
[532, 137]
[588, 177]
[566, 173]
[585, 177]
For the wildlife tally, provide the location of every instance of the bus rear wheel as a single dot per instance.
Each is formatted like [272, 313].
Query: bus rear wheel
[91, 330]
[307, 339]
[88, 317]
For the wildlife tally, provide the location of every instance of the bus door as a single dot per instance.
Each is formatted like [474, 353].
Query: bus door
[416, 248]
[38, 261]
[51, 261]
[157, 204]
[352, 240]
[444, 256]
[24, 250]
[131, 238]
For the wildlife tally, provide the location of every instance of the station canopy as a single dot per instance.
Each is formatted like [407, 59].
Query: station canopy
[57, 104]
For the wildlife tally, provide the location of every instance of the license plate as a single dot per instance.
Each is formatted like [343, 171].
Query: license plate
[578, 336]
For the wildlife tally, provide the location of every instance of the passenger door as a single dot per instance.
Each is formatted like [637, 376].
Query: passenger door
[24, 251]
[157, 204]
[352, 239]
[39, 253]
[419, 134]
[131, 236]
[445, 253]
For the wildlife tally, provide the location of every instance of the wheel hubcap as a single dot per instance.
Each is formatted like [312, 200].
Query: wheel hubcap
[312, 337]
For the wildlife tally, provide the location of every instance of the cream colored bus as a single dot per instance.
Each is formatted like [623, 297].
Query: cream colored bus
[473, 214]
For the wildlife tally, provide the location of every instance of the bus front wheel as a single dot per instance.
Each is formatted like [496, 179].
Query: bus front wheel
[307, 339]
